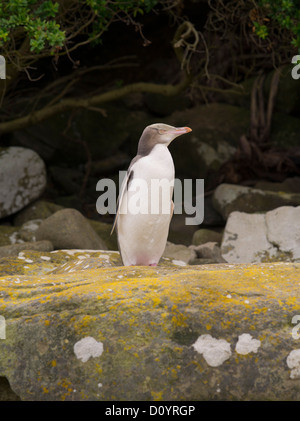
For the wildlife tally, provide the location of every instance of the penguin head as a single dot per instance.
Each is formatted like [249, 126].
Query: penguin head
[159, 133]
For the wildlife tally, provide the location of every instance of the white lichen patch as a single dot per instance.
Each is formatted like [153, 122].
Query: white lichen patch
[88, 347]
[14, 238]
[214, 351]
[247, 344]
[293, 362]
[178, 263]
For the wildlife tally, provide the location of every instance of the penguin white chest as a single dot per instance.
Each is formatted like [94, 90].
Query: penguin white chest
[145, 211]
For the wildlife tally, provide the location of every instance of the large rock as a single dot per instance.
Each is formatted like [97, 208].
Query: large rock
[179, 253]
[228, 198]
[215, 136]
[204, 235]
[251, 238]
[41, 209]
[22, 179]
[103, 229]
[69, 229]
[209, 250]
[9, 235]
[217, 129]
[289, 185]
[83, 331]
[103, 134]
[15, 249]
[283, 230]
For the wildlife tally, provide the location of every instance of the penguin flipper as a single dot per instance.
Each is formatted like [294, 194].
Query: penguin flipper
[172, 210]
[124, 187]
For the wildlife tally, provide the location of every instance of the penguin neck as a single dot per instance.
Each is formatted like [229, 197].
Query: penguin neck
[160, 152]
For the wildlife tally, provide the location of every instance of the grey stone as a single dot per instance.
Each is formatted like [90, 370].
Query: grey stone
[40, 209]
[283, 230]
[179, 232]
[228, 198]
[103, 229]
[204, 235]
[142, 325]
[15, 249]
[22, 179]
[201, 261]
[245, 239]
[254, 238]
[69, 229]
[212, 218]
[28, 230]
[289, 185]
[48, 141]
[209, 250]
[179, 252]
[9, 235]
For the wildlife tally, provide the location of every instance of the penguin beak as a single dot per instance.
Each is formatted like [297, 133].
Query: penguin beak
[180, 130]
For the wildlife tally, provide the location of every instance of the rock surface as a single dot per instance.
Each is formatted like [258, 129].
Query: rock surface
[228, 198]
[22, 179]
[69, 229]
[15, 249]
[80, 330]
[252, 238]
[40, 209]
[204, 235]
[9, 235]
[209, 250]
[179, 252]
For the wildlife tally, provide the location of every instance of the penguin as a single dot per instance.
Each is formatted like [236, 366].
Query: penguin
[144, 209]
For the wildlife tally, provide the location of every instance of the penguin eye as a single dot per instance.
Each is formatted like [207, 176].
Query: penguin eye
[162, 131]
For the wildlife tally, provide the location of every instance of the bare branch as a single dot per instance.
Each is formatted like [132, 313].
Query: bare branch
[73, 103]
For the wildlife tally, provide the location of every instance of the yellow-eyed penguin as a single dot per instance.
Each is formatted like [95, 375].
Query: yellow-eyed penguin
[142, 218]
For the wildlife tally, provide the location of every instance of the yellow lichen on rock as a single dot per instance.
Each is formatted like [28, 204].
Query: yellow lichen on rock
[147, 320]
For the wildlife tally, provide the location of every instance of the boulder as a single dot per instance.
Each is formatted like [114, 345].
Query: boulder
[28, 230]
[179, 252]
[179, 232]
[22, 179]
[215, 136]
[41, 209]
[209, 250]
[85, 332]
[289, 185]
[103, 135]
[212, 218]
[283, 230]
[9, 235]
[228, 198]
[205, 235]
[15, 249]
[103, 229]
[217, 128]
[273, 236]
[69, 229]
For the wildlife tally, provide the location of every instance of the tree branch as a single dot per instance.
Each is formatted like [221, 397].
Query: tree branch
[73, 103]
